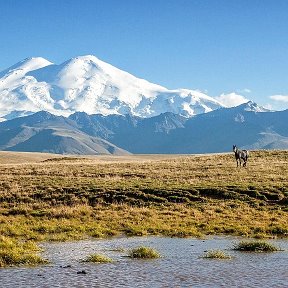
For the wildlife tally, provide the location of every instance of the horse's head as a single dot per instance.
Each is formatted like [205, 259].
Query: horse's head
[234, 148]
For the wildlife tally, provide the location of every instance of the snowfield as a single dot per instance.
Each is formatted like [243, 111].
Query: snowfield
[87, 84]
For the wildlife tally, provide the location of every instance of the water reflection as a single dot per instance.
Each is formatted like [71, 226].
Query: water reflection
[180, 266]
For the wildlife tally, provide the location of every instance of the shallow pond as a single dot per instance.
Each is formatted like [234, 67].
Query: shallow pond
[180, 266]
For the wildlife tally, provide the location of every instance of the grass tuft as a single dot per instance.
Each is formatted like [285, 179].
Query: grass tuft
[97, 258]
[255, 246]
[216, 254]
[144, 253]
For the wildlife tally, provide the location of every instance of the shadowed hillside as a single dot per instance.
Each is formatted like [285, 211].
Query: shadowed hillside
[44, 132]
[166, 133]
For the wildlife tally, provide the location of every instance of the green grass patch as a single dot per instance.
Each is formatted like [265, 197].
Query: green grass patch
[144, 253]
[15, 253]
[98, 258]
[255, 246]
[216, 254]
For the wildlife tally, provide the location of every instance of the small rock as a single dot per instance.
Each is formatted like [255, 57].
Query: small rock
[67, 266]
[81, 272]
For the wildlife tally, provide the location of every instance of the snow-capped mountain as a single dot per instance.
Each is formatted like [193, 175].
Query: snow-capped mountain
[87, 84]
[253, 107]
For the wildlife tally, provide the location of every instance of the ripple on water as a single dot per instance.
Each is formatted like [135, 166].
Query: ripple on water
[180, 266]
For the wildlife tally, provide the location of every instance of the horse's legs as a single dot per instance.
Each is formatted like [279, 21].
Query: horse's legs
[245, 161]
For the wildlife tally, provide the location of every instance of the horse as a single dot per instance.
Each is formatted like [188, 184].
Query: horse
[240, 155]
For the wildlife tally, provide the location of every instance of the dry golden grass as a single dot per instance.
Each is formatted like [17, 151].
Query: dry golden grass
[7, 157]
[56, 198]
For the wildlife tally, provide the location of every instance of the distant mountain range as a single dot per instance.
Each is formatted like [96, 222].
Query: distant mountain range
[87, 84]
[86, 106]
[81, 133]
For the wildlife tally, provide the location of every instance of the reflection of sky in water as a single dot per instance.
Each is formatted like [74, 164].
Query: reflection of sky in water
[180, 265]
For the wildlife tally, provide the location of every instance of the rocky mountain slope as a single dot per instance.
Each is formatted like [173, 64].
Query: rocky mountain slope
[210, 132]
[44, 132]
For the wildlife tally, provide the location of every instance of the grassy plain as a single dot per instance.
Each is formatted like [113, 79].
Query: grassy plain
[48, 197]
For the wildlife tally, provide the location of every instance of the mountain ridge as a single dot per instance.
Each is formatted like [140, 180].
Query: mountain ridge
[45, 132]
[167, 133]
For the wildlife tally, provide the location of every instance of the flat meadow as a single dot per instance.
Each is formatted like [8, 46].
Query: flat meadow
[46, 197]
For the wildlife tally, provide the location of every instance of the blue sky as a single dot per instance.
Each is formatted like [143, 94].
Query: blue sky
[219, 47]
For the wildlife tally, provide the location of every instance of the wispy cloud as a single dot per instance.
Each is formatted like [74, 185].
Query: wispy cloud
[245, 91]
[280, 98]
[269, 106]
[279, 102]
[231, 99]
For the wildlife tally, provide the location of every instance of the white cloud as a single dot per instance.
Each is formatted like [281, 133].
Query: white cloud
[280, 98]
[269, 106]
[280, 102]
[246, 90]
[231, 99]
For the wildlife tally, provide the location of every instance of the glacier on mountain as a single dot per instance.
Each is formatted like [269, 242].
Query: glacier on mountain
[87, 84]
